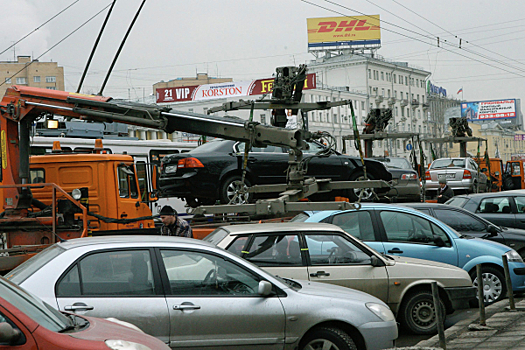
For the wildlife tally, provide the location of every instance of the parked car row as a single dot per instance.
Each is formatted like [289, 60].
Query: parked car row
[191, 294]
[398, 230]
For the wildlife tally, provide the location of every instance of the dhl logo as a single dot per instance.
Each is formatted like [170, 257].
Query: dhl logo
[347, 26]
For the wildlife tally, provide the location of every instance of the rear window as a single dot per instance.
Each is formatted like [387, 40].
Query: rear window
[448, 163]
[27, 268]
[301, 217]
[216, 236]
[457, 201]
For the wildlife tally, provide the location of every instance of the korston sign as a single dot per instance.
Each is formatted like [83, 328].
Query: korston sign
[222, 90]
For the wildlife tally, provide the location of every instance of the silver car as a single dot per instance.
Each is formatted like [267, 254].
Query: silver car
[461, 174]
[326, 253]
[193, 295]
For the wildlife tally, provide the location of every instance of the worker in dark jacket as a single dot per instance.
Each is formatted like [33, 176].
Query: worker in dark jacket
[444, 192]
[172, 225]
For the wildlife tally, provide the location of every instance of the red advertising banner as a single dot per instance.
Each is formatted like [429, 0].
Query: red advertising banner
[223, 90]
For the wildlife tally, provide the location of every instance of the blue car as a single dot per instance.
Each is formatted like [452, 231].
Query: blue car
[403, 231]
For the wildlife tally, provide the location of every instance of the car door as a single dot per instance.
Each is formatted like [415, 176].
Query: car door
[410, 235]
[277, 253]
[120, 283]
[498, 210]
[267, 165]
[214, 303]
[334, 258]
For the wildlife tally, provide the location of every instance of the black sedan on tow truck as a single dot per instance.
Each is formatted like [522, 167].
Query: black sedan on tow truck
[212, 172]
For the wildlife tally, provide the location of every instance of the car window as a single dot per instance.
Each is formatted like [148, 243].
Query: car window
[460, 221]
[274, 250]
[404, 227]
[301, 217]
[334, 249]
[216, 236]
[268, 149]
[494, 205]
[520, 204]
[457, 201]
[202, 274]
[426, 211]
[122, 273]
[237, 247]
[356, 223]
[448, 163]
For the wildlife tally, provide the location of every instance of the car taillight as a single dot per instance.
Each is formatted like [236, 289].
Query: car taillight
[408, 177]
[427, 175]
[467, 174]
[189, 163]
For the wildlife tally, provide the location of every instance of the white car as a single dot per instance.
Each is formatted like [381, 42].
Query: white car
[192, 294]
[461, 174]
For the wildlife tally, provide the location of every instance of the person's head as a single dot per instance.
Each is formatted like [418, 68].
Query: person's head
[442, 182]
[168, 215]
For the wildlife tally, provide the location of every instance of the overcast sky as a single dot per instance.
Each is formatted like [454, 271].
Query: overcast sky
[247, 39]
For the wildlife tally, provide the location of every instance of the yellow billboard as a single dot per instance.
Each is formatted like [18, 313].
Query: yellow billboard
[343, 31]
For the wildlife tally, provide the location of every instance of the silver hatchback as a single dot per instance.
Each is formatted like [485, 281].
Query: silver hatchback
[193, 295]
[461, 174]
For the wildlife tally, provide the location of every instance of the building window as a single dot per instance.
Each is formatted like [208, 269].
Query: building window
[395, 79]
[402, 112]
[335, 118]
[51, 87]
[205, 110]
[51, 79]
[398, 144]
[382, 76]
[21, 80]
[263, 119]
[8, 80]
[369, 74]
[397, 112]
[406, 81]
[190, 110]
[383, 92]
[388, 93]
[379, 143]
[36, 79]
[362, 105]
[417, 82]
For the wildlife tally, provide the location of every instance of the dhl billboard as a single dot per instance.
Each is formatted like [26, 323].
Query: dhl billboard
[343, 31]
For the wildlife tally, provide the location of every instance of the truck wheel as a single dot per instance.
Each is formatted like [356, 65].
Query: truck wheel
[367, 193]
[233, 191]
[508, 184]
[327, 339]
[494, 288]
[418, 315]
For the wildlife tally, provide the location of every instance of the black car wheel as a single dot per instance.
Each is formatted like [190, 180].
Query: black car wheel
[494, 288]
[367, 194]
[235, 192]
[418, 315]
[327, 339]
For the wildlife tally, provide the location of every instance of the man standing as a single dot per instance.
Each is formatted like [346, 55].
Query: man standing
[445, 192]
[172, 225]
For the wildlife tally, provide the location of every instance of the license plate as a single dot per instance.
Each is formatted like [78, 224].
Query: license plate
[451, 176]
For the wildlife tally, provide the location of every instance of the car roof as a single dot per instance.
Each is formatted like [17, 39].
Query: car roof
[493, 194]
[279, 227]
[130, 239]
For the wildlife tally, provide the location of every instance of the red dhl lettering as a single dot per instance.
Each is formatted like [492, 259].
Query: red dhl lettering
[331, 26]
[222, 92]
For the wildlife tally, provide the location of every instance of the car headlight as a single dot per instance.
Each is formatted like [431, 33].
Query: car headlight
[125, 345]
[381, 311]
[513, 256]
[170, 169]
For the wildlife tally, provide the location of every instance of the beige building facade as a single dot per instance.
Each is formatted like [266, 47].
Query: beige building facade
[28, 72]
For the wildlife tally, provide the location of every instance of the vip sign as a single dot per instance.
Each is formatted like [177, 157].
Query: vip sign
[341, 31]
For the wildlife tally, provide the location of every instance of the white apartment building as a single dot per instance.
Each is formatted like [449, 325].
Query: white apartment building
[369, 82]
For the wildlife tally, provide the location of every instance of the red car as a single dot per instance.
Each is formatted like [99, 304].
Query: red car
[26, 322]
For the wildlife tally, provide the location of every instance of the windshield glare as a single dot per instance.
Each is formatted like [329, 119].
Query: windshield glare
[33, 307]
[27, 268]
[398, 163]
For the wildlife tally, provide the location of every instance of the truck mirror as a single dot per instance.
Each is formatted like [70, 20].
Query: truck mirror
[484, 170]
[153, 196]
[154, 177]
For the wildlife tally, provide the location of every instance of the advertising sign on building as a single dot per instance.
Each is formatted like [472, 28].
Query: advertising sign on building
[332, 32]
[489, 110]
[223, 90]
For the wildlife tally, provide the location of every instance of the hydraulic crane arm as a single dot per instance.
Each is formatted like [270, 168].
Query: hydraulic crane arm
[22, 105]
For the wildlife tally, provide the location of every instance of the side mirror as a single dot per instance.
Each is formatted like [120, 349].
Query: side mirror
[376, 262]
[492, 230]
[484, 170]
[439, 241]
[265, 288]
[8, 334]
